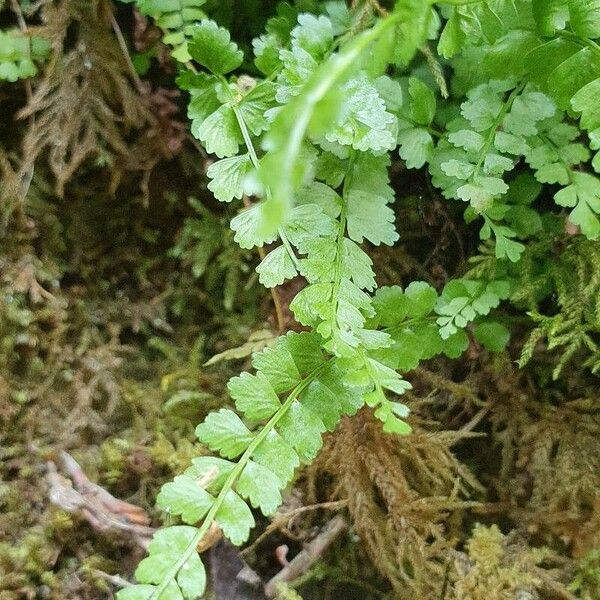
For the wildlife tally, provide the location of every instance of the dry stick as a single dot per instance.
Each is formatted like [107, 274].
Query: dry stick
[305, 559]
[115, 580]
[281, 518]
[104, 511]
[26, 171]
[139, 84]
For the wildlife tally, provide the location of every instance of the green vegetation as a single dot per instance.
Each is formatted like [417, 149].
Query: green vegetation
[380, 208]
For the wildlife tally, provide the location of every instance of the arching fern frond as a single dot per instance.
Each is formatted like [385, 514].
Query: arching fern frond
[295, 396]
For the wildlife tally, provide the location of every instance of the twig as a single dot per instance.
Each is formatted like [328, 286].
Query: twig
[305, 559]
[103, 511]
[475, 420]
[139, 84]
[112, 579]
[281, 518]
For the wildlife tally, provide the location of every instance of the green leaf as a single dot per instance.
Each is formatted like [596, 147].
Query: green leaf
[392, 305]
[165, 550]
[302, 429]
[305, 349]
[368, 215]
[511, 144]
[387, 378]
[492, 335]
[276, 267]
[584, 195]
[416, 146]
[212, 469]
[223, 431]
[184, 496]
[306, 222]
[220, 132]
[227, 177]
[278, 456]
[322, 195]
[572, 74]
[18, 52]
[248, 231]
[528, 108]
[414, 138]
[321, 400]
[136, 592]
[456, 344]
[421, 299]
[350, 400]
[254, 106]
[423, 103]
[414, 20]
[585, 17]
[203, 92]
[394, 425]
[278, 366]
[452, 37]
[496, 164]
[471, 141]
[254, 396]
[286, 136]
[211, 46]
[476, 194]
[462, 300]
[234, 518]
[586, 102]
[362, 121]
[550, 15]
[459, 169]
[357, 266]
[314, 34]
[260, 486]
[390, 91]
[482, 107]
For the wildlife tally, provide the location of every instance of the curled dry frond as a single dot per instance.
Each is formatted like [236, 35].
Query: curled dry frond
[86, 106]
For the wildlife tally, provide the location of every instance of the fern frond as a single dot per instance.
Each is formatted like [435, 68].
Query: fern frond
[279, 435]
[19, 54]
[177, 19]
[283, 169]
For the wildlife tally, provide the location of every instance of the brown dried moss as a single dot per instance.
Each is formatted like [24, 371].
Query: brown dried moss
[89, 105]
[559, 473]
[405, 496]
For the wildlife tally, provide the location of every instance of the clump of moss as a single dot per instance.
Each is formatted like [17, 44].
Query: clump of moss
[586, 582]
[406, 497]
[503, 567]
